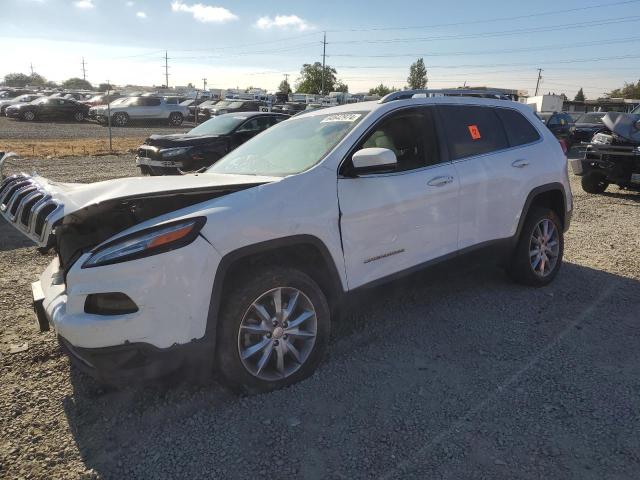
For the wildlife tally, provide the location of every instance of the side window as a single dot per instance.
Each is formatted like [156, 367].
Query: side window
[250, 126]
[519, 130]
[411, 135]
[152, 102]
[472, 130]
[264, 123]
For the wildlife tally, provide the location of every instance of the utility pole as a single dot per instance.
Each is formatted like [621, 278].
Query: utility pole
[84, 70]
[166, 69]
[324, 55]
[538, 82]
[204, 84]
[31, 67]
[109, 117]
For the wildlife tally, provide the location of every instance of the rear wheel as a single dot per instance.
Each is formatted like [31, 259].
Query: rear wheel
[594, 182]
[274, 328]
[120, 119]
[29, 115]
[175, 119]
[78, 116]
[538, 255]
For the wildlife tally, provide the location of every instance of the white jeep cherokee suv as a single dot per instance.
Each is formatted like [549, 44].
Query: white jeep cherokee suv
[241, 268]
[123, 111]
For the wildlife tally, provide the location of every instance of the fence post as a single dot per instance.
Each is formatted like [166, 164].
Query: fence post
[109, 116]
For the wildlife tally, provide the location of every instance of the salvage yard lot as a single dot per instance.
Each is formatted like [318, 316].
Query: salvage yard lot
[454, 373]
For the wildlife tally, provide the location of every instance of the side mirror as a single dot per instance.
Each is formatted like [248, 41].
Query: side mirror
[370, 160]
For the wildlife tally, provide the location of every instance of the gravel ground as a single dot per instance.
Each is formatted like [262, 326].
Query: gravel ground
[15, 129]
[456, 373]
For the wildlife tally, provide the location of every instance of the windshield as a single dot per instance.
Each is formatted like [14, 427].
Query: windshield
[221, 125]
[219, 104]
[290, 147]
[544, 117]
[591, 118]
[636, 110]
[40, 100]
[234, 105]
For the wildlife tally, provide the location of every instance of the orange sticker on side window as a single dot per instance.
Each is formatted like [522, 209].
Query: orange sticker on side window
[475, 133]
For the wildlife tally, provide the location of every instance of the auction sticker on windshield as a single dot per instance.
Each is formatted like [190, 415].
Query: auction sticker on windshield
[342, 117]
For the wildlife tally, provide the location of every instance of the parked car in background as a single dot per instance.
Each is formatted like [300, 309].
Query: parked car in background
[27, 98]
[175, 100]
[101, 99]
[140, 108]
[202, 102]
[49, 108]
[587, 126]
[560, 124]
[229, 106]
[202, 146]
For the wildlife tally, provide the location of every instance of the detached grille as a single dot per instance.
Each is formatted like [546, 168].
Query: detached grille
[28, 207]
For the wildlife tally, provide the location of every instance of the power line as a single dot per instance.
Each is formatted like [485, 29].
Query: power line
[503, 33]
[495, 19]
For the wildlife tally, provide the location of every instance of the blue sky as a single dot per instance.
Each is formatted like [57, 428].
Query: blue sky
[591, 43]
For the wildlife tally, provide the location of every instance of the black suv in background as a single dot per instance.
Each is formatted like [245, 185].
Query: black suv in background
[560, 124]
[49, 108]
[202, 146]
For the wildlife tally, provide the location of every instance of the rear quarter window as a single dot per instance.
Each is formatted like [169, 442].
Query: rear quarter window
[472, 130]
[519, 130]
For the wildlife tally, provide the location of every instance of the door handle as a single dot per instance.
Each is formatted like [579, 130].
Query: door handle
[440, 181]
[520, 163]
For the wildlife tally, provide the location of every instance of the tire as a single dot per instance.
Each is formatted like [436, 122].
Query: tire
[238, 313]
[3, 111]
[175, 119]
[594, 182]
[523, 268]
[78, 116]
[120, 119]
[29, 116]
[145, 171]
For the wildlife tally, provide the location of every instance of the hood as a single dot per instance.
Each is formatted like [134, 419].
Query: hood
[623, 125]
[50, 201]
[181, 140]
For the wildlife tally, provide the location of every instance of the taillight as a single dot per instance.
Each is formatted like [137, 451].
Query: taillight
[563, 144]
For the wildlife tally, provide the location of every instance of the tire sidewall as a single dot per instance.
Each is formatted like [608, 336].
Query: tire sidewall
[78, 116]
[594, 183]
[26, 114]
[120, 119]
[176, 115]
[521, 269]
[245, 292]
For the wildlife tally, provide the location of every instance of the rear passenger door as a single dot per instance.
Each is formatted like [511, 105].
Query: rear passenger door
[494, 151]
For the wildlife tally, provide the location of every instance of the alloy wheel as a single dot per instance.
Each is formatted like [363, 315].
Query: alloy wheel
[544, 247]
[29, 116]
[277, 333]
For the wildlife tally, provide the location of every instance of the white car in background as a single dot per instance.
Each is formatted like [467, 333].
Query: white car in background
[27, 98]
[128, 109]
[243, 267]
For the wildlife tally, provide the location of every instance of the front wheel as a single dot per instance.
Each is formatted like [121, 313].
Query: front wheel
[120, 119]
[594, 183]
[175, 119]
[538, 254]
[29, 116]
[273, 330]
[78, 116]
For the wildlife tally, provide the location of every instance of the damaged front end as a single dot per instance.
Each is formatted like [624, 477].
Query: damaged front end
[74, 218]
[613, 156]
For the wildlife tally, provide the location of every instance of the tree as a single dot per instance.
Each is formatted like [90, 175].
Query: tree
[579, 96]
[417, 75]
[16, 79]
[381, 90]
[103, 87]
[37, 80]
[310, 80]
[630, 90]
[77, 83]
[340, 87]
[284, 87]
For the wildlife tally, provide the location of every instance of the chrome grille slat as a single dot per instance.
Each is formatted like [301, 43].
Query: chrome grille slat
[29, 207]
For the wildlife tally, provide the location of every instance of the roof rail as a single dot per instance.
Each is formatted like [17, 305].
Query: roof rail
[448, 92]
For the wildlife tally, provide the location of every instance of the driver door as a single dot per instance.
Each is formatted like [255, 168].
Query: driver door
[395, 220]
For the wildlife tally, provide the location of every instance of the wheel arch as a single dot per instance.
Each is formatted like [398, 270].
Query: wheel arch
[306, 252]
[552, 196]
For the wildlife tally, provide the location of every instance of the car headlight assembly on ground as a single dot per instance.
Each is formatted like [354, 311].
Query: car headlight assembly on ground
[174, 152]
[147, 242]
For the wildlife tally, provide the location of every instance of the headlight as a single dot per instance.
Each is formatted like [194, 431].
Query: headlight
[173, 152]
[150, 241]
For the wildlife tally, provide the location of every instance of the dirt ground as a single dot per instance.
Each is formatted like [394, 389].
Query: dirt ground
[452, 374]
